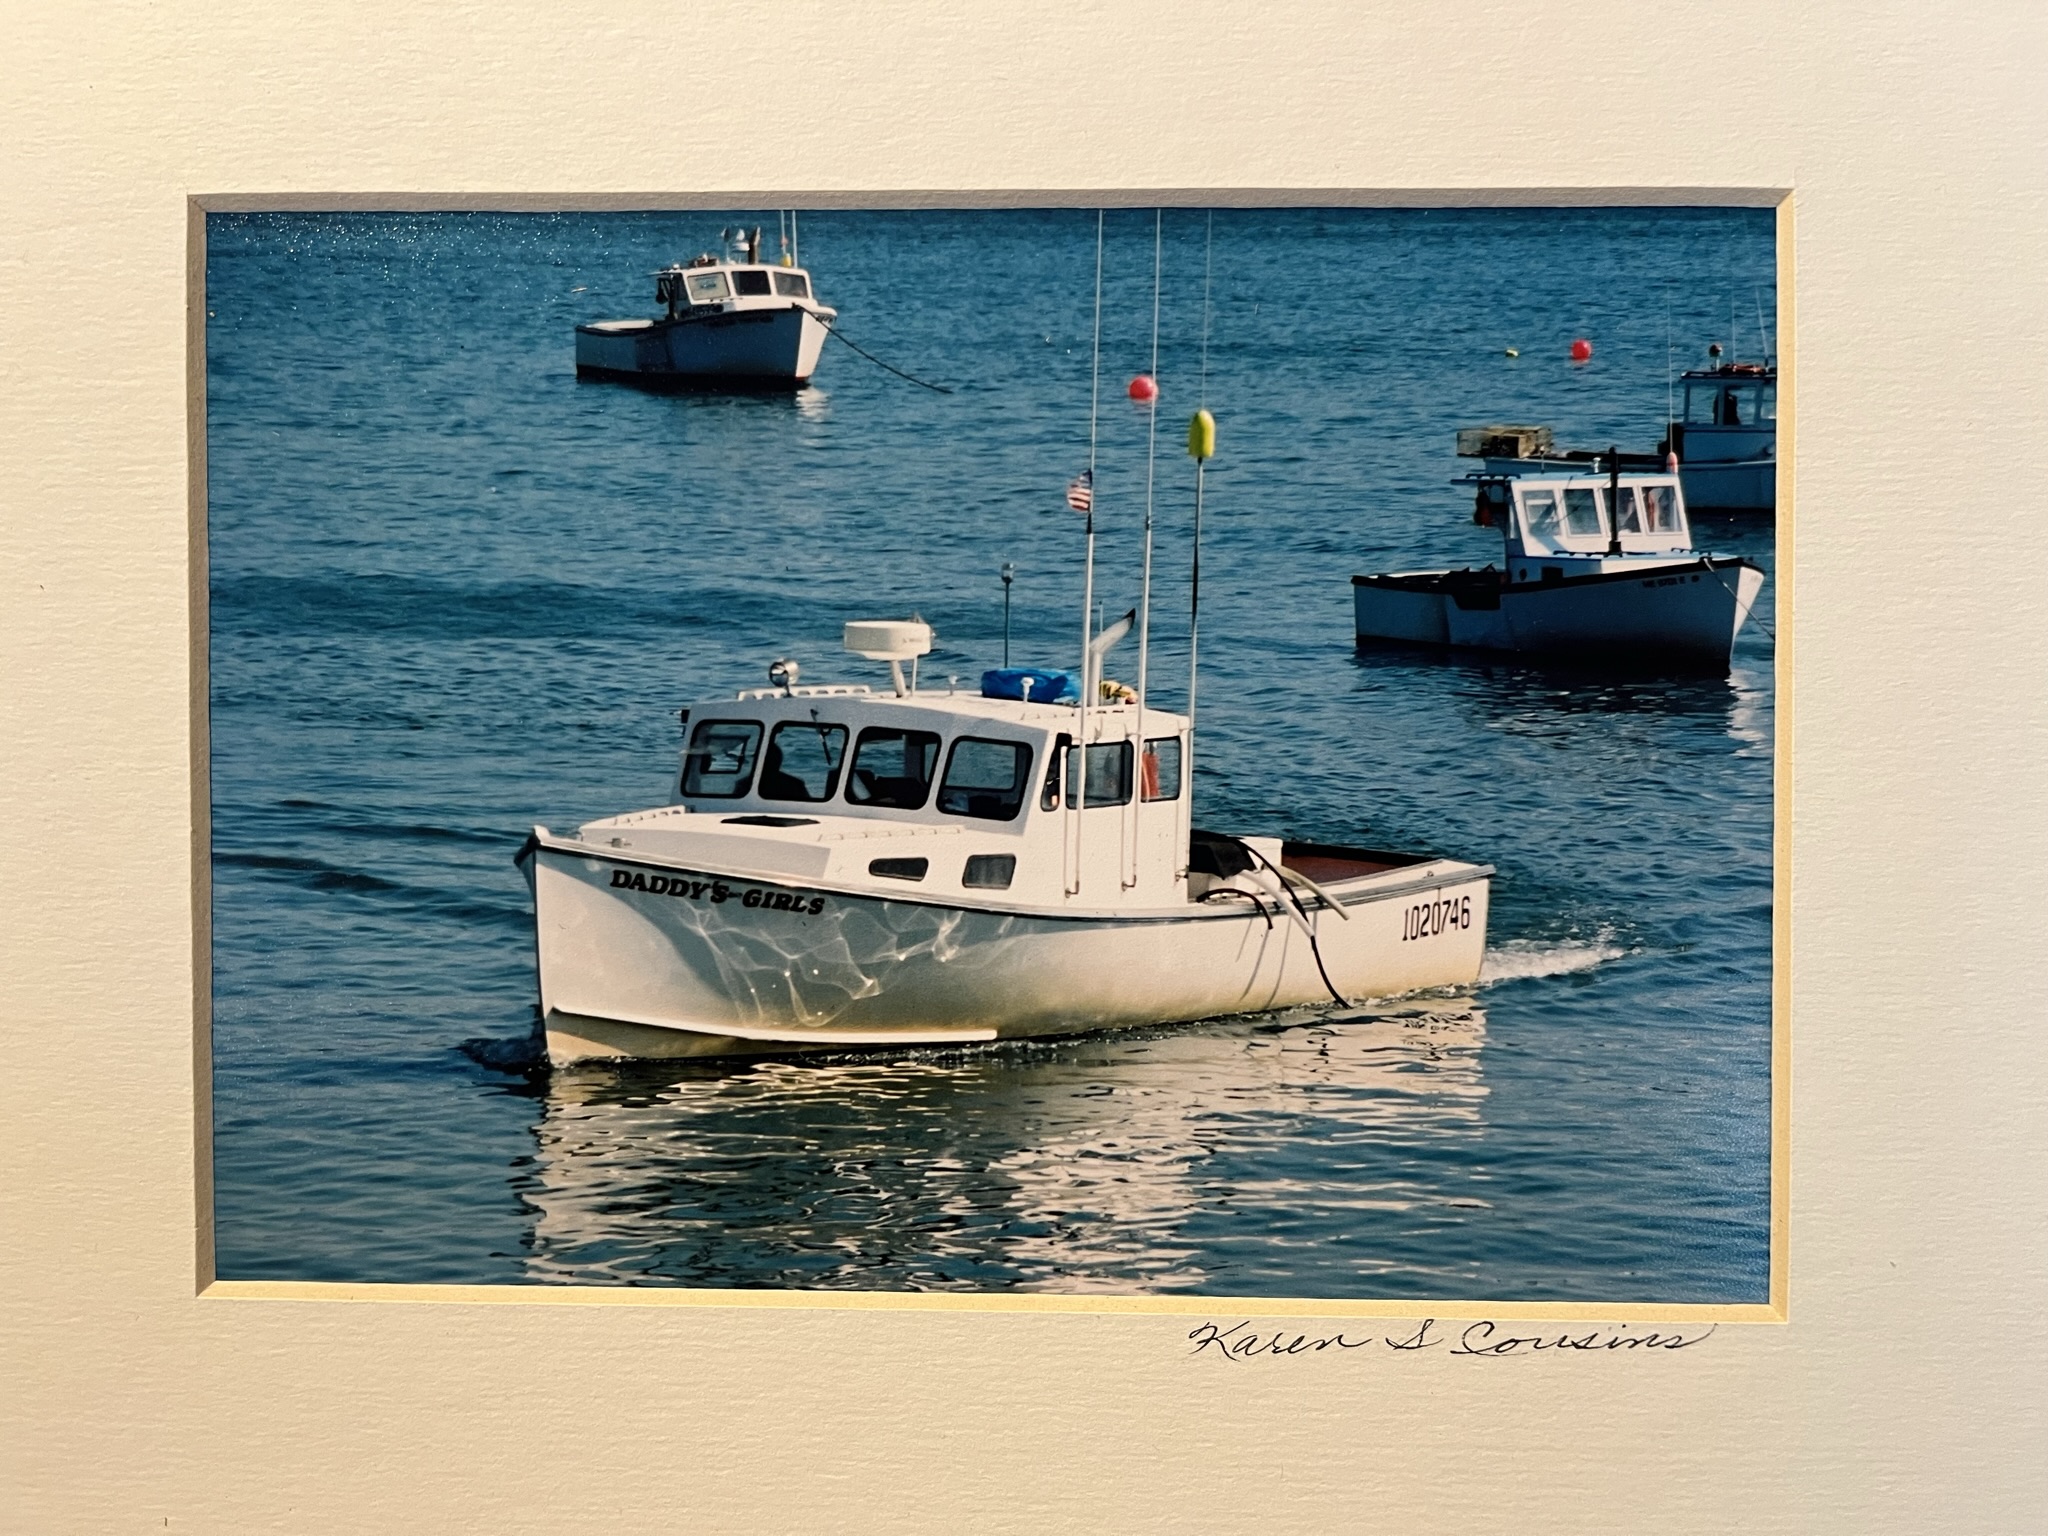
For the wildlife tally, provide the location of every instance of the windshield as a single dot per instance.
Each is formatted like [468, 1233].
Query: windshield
[1539, 514]
[893, 769]
[1660, 507]
[802, 762]
[1582, 512]
[985, 779]
[720, 761]
[707, 287]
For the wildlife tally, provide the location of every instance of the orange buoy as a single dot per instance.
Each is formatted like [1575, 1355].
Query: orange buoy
[1144, 389]
[1582, 350]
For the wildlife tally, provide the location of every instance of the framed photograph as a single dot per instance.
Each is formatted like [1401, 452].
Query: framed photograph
[359, 571]
[646, 713]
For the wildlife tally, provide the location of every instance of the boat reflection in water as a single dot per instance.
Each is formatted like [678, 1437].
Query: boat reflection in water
[1190, 1159]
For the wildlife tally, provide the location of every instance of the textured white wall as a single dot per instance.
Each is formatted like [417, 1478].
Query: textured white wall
[1905, 1394]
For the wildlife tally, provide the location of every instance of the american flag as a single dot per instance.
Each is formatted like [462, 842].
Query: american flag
[1081, 491]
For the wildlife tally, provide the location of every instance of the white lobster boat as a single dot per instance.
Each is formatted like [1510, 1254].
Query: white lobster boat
[1723, 438]
[1597, 567]
[846, 869]
[1726, 438]
[729, 322]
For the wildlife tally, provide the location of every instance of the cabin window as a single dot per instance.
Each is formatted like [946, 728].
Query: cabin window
[720, 762]
[751, 284]
[1582, 512]
[1626, 518]
[989, 871]
[1660, 509]
[893, 769]
[985, 779]
[792, 285]
[1539, 513]
[1055, 765]
[899, 869]
[1728, 409]
[1109, 774]
[707, 287]
[1766, 404]
[1161, 768]
[802, 761]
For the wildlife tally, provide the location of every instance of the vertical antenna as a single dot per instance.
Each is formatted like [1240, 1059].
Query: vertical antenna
[1088, 580]
[1207, 443]
[795, 257]
[1202, 403]
[1670, 389]
[1766, 335]
[1145, 582]
[1009, 575]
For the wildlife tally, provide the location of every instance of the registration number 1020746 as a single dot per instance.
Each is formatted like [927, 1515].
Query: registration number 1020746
[1427, 919]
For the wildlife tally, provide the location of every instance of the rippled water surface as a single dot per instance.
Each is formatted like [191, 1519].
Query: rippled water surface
[456, 592]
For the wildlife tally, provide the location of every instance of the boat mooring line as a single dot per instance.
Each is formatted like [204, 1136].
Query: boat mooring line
[937, 389]
[1315, 947]
[1749, 612]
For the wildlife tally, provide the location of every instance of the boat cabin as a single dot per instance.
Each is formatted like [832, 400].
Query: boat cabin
[1591, 516]
[709, 285]
[944, 790]
[1732, 395]
[1009, 788]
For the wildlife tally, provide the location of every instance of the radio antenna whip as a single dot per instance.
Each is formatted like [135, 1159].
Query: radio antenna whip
[1088, 578]
[1145, 581]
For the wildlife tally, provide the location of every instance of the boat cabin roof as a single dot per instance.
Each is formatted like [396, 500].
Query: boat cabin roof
[1733, 373]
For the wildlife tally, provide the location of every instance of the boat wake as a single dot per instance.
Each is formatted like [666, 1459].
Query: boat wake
[1526, 959]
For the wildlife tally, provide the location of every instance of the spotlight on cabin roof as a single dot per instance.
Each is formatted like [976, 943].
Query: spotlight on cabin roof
[889, 639]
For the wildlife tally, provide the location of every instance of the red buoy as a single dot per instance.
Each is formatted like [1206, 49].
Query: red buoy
[1144, 390]
[1582, 350]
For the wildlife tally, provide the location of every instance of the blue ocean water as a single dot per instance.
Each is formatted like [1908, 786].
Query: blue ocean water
[456, 592]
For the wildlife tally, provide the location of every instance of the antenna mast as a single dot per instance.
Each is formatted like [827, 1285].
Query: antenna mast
[1201, 445]
[1145, 583]
[1088, 580]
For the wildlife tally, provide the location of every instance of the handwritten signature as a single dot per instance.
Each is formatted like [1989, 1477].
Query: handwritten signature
[1485, 1340]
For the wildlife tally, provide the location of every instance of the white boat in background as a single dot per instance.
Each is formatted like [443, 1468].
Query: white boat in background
[1726, 437]
[1723, 440]
[1596, 567]
[730, 321]
[846, 869]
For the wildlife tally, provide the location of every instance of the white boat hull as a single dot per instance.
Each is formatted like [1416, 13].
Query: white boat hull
[1688, 613]
[651, 959]
[757, 348]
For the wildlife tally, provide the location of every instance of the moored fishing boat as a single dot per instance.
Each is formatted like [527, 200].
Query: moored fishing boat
[1596, 567]
[1721, 435]
[729, 321]
[1726, 436]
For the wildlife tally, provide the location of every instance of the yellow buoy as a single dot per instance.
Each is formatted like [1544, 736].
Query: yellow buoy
[1202, 435]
